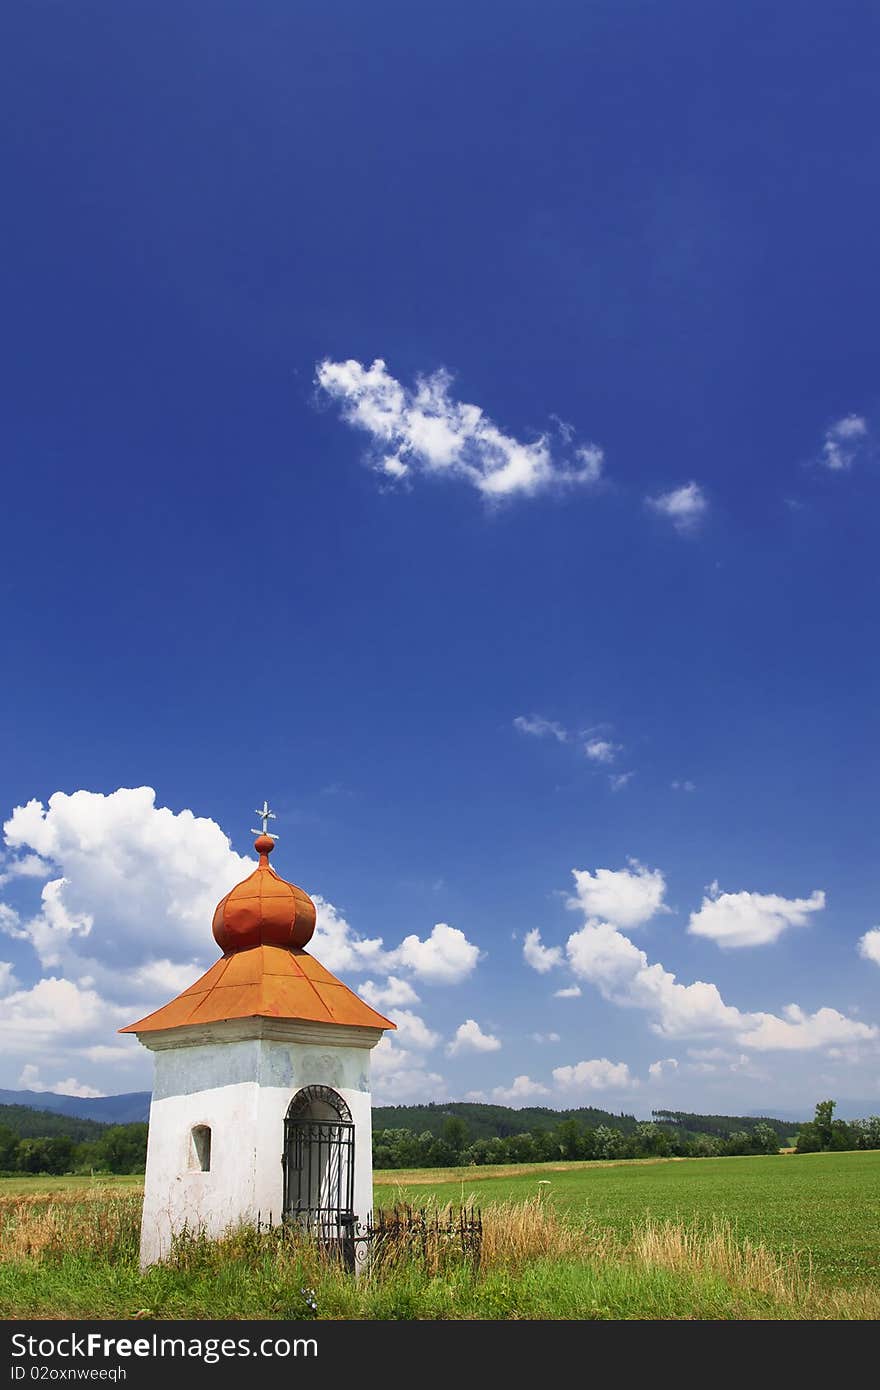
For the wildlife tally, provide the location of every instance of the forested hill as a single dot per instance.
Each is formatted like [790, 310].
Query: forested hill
[499, 1121]
[492, 1121]
[27, 1123]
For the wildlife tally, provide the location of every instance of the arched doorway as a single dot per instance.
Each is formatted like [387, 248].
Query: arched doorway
[318, 1164]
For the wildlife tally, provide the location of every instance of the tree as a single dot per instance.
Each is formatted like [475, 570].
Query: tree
[765, 1140]
[8, 1148]
[125, 1148]
[455, 1132]
[568, 1137]
[823, 1120]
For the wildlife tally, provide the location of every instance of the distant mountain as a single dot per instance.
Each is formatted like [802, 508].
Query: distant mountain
[109, 1110]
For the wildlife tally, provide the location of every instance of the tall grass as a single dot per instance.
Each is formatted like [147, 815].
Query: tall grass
[75, 1255]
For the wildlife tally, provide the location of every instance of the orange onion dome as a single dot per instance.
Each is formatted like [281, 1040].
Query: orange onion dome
[264, 910]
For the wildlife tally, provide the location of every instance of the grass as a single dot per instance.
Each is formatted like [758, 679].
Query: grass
[794, 1237]
[824, 1206]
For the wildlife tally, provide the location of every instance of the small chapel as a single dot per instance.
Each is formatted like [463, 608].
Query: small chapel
[261, 1108]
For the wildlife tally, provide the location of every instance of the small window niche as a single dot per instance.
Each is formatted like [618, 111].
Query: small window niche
[200, 1149]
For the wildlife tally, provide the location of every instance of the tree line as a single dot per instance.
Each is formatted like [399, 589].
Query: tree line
[401, 1148]
[116, 1149]
[454, 1147]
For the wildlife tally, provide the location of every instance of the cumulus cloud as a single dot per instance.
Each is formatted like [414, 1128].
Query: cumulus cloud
[569, 992]
[539, 727]
[446, 957]
[425, 430]
[664, 1067]
[413, 1030]
[539, 957]
[28, 866]
[398, 1076]
[843, 442]
[395, 993]
[54, 1015]
[798, 1030]
[7, 977]
[869, 945]
[542, 1038]
[684, 506]
[626, 897]
[137, 882]
[596, 1075]
[30, 1081]
[338, 946]
[469, 1037]
[750, 919]
[521, 1091]
[601, 954]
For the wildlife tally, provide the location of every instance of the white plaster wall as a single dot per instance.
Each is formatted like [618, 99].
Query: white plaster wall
[242, 1091]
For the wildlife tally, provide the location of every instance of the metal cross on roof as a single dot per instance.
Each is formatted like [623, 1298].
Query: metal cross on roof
[265, 816]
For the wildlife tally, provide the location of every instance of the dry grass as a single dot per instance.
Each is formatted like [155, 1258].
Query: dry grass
[536, 1262]
[102, 1224]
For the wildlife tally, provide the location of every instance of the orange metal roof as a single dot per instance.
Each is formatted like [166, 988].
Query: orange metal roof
[264, 982]
[264, 910]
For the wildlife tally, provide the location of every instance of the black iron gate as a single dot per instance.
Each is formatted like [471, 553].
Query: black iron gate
[318, 1161]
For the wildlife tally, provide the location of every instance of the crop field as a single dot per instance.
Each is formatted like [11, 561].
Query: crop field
[824, 1207]
[786, 1237]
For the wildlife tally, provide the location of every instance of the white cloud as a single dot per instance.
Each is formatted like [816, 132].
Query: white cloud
[10, 921]
[28, 866]
[666, 1066]
[596, 1075]
[684, 506]
[136, 881]
[750, 919]
[395, 993]
[399, 1077]
[683, 786]
[426, 430]
[570, 992]
[469, 1037]
[522, 1090]
[799, 1031]
[843, 442]
[540, 958]
[539, 727]
[56, 1015]
[623, 974]
[8, 981]
[30, 1081]
[869, 945]
[601, 750]
[163, 977]
[339, 947]
[618, 780]
[413, 1030]
[541, 1038]
[626, 897]
[446, 957]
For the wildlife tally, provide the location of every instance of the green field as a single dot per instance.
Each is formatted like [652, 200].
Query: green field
[825, 1207]
[793, 1236]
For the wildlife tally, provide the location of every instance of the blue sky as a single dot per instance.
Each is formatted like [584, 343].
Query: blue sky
[241, 561]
